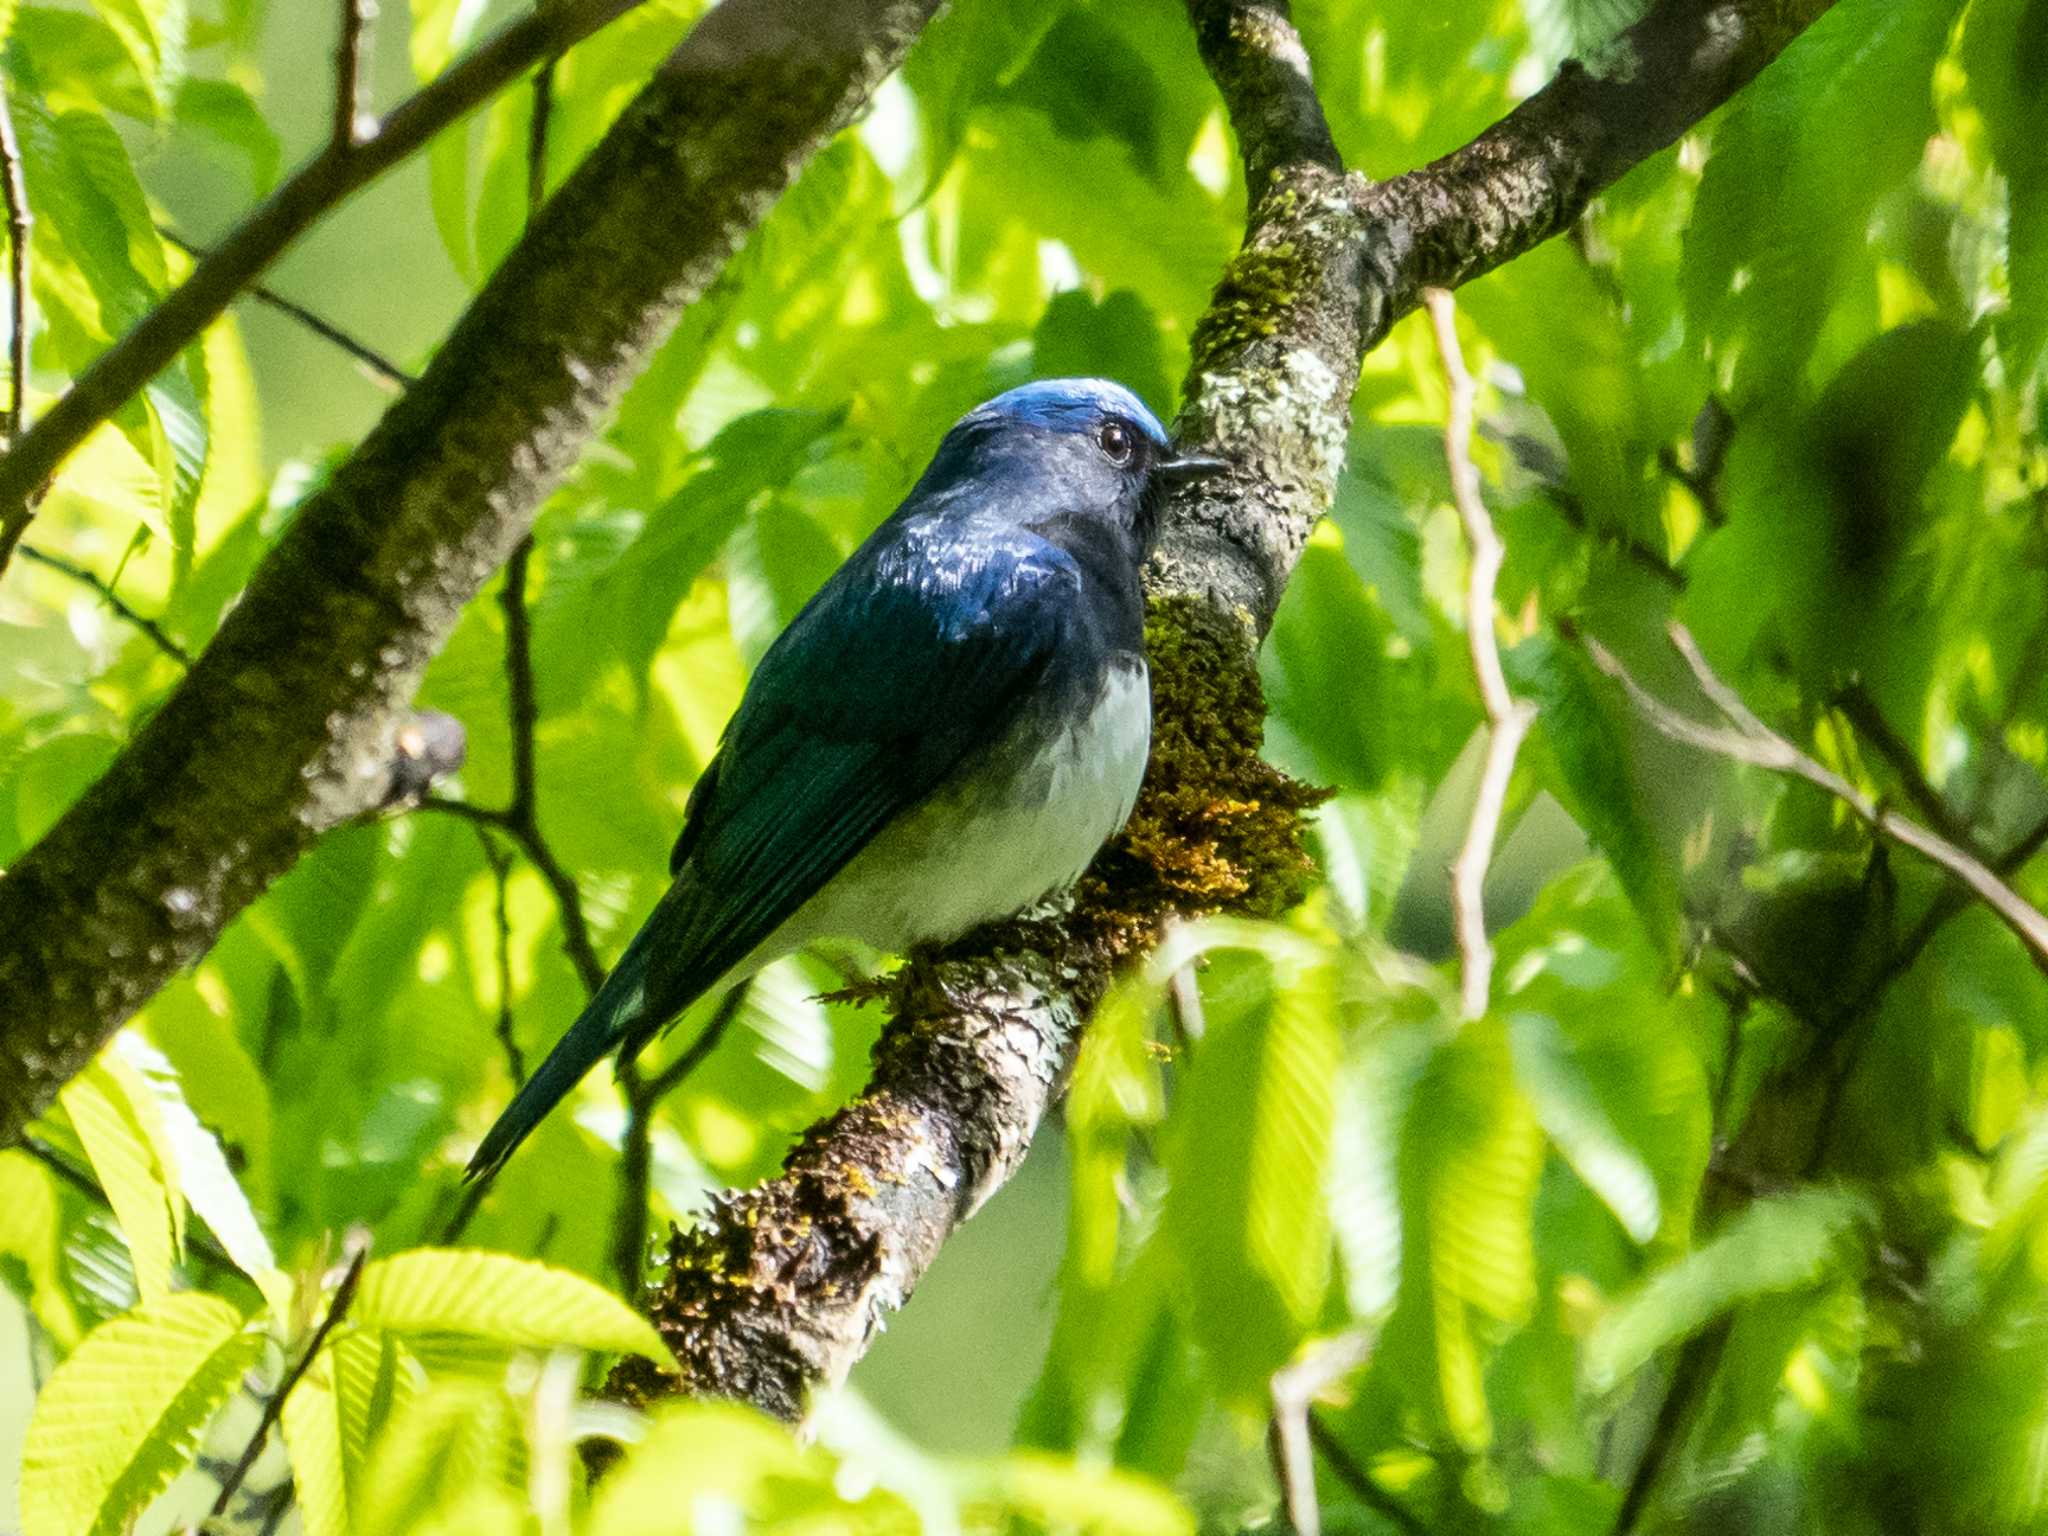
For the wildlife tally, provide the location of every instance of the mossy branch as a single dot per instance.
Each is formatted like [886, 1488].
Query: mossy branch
[783, 1286]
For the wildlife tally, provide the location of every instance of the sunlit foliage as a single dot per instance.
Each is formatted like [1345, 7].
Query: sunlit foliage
[1732, 1214]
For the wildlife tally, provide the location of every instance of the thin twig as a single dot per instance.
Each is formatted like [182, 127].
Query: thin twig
[1356, 1478]
[643, 1095]
[351, 54]
[1508, 718]
[501, 871]
[1862, 712]
[1698, 1360]
[380, 367]
[1752, 742]
[1294, 1390]
[537, 138]
[15, 192]
[157, 634]
[355, 1250]
[308, 194]
[521, 701]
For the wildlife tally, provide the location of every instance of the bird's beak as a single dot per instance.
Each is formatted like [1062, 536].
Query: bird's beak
[1187, 467]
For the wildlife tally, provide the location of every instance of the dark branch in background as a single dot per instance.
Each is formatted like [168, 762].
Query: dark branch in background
[1746, 739]
[379, 367]
[501, 872]
[352, 55]
[643, 1095]
[158, 636]
[14, 192]
[1862, 712]
[1359, 1481]
[355, 1250]
[982, 1036]
[285, 724]
[321, 184]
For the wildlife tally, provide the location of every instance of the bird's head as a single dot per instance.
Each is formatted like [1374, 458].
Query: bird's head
[1078, 448]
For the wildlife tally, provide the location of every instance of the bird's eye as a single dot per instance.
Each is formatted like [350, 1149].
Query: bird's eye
[1118, 442]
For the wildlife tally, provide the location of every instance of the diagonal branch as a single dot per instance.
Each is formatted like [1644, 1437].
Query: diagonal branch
[321, 184]
[158, 636]
[1749, 740]
[283, 727]
[782, 1286]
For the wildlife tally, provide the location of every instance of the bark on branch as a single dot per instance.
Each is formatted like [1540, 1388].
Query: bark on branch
[285, 726]
[782, 1286]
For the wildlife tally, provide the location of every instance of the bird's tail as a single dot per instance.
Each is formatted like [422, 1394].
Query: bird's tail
[620, 1014]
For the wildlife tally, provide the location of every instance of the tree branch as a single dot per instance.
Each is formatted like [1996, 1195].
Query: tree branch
[1507, 718]
[1748, 740]
[158, 636]
[14, 193]
[782, 1286]
[356, 1249]
[379, 367]
[319, 185]
[351, 53]
[284, 726]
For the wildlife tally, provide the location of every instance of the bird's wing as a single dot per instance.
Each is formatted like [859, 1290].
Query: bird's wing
[919, 649]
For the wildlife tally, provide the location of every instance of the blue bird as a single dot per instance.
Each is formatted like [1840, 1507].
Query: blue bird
[948, 731]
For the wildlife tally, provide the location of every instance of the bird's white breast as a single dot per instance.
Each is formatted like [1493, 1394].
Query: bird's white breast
[1017, 822]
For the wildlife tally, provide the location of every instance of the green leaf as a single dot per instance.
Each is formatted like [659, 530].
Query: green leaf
[2007, 59]
[31, 1233]
[153, 32]
[495, 1296]
[1858, 75]
[1470, 1157]
[124, 1413]
[449, 1442]
[1790, 1242]
[223, 114]
[179, 441]
[203, 1177]
[117, 1123]
[1246, 1213]
[1058, 1495]
[1590, 752]
[962, 60]
[1325, 671]
[440, 30]
[357, 1386]
[72, 58]
[1116, 338]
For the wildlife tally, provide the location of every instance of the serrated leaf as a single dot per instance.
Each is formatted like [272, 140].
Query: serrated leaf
[203, 1178]
[1780, 1243]
[1325, 671]
[153, 32]
[1471, 1154]
[110, 1110]
[495, 1296]
[179, 442]
[448, 1442]
[123, 1415]
[360, 1384]
[731, 1458]
[1245, 1212]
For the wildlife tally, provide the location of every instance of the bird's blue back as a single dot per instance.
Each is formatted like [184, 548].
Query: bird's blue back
[1001, 583]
